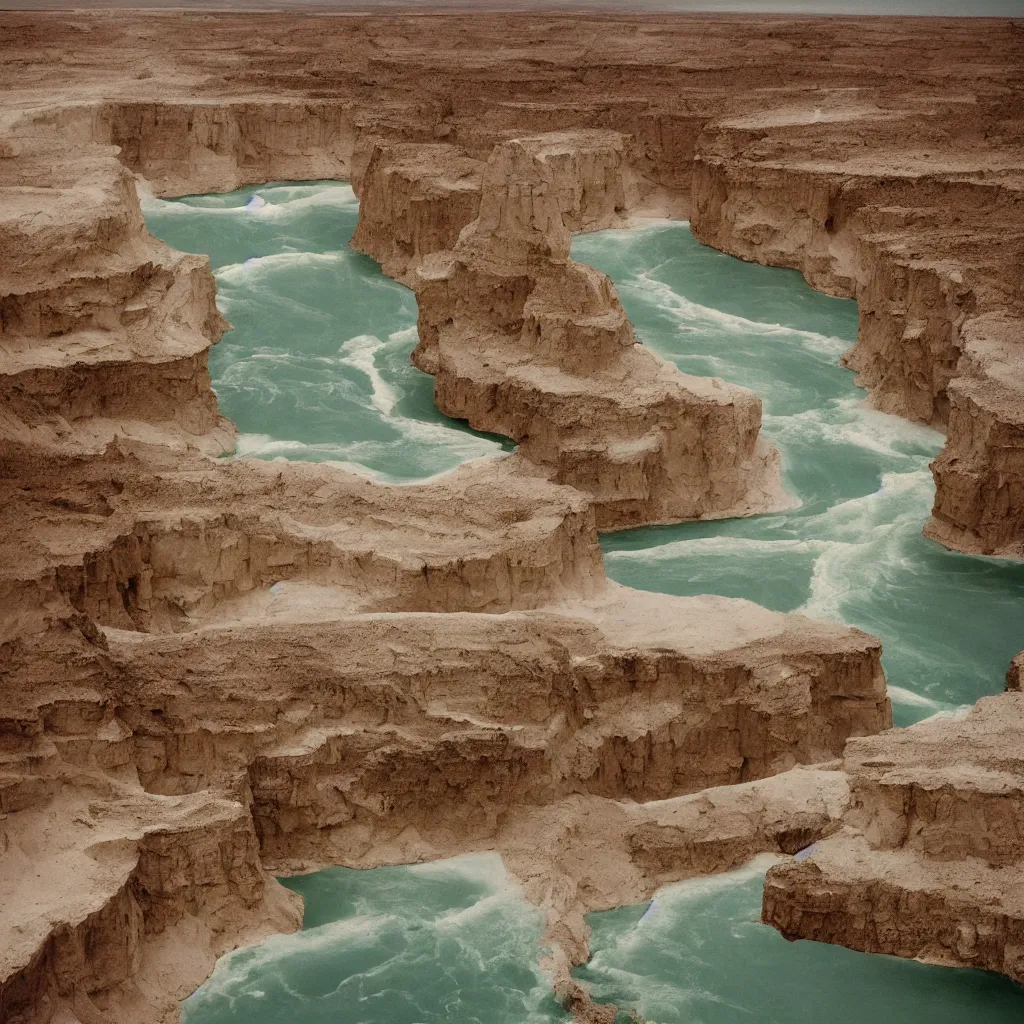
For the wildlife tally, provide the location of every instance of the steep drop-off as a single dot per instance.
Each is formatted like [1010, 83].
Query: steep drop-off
[175, 715]
[523, 341]
[454, 641]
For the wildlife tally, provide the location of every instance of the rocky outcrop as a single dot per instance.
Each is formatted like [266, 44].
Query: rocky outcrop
[979, 475]
[414, 199]
[930, 862]
[524, 342]
[392, 663]
[673, 711]
[1015, 674]
[929, 246]
[105, 329]
[588, 853]
[208, 669]
[455, 638]
[114, 902]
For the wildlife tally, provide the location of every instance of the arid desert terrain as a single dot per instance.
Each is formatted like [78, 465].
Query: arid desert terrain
[454, 672]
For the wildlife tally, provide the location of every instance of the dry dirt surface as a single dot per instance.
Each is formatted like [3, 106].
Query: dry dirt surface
[211, 669]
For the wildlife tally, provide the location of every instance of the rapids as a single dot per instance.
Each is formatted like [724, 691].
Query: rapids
[317, 368]
[853, 551]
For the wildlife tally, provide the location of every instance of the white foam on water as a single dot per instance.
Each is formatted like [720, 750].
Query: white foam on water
[506, 903]
[482, 868]
[459, 442]
[242, 274]
[243, 971]
[830, 582]
[355, 456]
[344, 455]
[359, 352]
[237, 375]
[952, 714]
[850, 421]
[902, 501]
[332, 195]
[694, 314]
[658, 929]
[406, 338]
[901, 695]
[877, 548]
[689, 889]
[701, 547]
[496, 932]
[673, 900]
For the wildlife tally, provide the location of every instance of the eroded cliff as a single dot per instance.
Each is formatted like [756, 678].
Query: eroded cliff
[210, 669]
[930, 861]
[524, 342]
[924, 226]
[431, 658]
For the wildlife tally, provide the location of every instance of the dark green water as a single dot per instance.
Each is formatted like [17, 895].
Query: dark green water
[317, 368]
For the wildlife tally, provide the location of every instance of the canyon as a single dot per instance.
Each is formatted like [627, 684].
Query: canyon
[217, 669]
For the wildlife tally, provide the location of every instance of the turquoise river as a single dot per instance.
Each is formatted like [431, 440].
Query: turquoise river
[317, 368]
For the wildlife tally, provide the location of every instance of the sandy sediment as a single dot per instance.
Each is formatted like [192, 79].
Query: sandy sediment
[210, 669]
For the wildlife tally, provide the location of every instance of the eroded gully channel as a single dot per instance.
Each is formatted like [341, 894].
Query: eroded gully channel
[317, 368]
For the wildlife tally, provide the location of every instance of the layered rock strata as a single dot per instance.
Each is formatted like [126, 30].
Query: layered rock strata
[456, 639]
[920, 155]
[930, 861]
[105, 329]
[524, 342]
[393, 664]
[929, 240]
[124, 566]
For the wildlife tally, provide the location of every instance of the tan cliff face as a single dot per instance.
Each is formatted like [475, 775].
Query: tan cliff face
[132, 678]
[209, 670]
[524, 342]
[927, 238]
[929, 862]
[105, 329]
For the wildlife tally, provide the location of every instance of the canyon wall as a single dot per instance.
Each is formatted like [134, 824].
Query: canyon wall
[209, 669]
[524, 342]
[929, 863]
[929, 241]
[455, 639]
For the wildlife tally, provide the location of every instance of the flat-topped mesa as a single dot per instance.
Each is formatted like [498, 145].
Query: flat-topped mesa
[930, 864]
[629, 695]
[496, 718]
[524, 342]
[105, 330]
[930, 244]
[537, 191]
